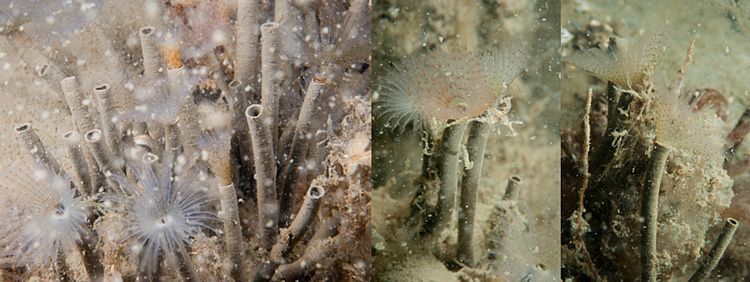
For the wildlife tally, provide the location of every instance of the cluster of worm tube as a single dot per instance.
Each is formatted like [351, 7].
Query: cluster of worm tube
[457, 194]
[271, 62]
[624, 107]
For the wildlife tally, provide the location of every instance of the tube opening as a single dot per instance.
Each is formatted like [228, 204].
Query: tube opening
[515, 178]
[732, 221]
[69, 135]
[254, 111]
[43, 70]
[68, 80]
[234, 83]
[102, 87]
[150, 158]
[23, 128]
[316, 192]
[270, 25]
[93, 135]
[147, 30]
[320, 79]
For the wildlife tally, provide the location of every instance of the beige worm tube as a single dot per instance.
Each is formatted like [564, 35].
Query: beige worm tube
[303, 133]
[76, 262]
[479, 132]
[248, 42]
[513, 189]
[232, 231]
[96, 145]
[650, 211]
[36, 148]
[152, 61]
[72, 144]
[448, 172]
[271, 78]
[79, 109]
[153, 72]
[710, 262]
[52, 74]
[189, 122]
[302, 221]
[108, 115]
[290, 20]
[265, 174]
[291, 235]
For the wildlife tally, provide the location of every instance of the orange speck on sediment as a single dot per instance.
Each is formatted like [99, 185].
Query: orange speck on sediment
[172, 56]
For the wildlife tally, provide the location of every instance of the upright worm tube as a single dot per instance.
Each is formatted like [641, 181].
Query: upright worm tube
[76, 262]
[708, 265]
[513, 189]
[52, 74]
[188, 116]
[172, 137]
[304, 218]
[108, 115]
[80, 111]
[311, 27]
[290, 19]
[650, 211]
[271, 78]
[479, 132]
[152, 61]
[248, 57]
[321, 246]
[354, 42]
[186, 268]
[171, 145]
[232, 230]
[303, 133]
[78, 104]
[448, 173]
[290, 236]
[241, 144]
[72, 143]
[36, 148]
[265, 174]
[217, 73]
[94, 140]
[153, 72]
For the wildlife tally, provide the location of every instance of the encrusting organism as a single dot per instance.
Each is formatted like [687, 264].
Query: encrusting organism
[455, 101]
[205, 160]
[657, 177]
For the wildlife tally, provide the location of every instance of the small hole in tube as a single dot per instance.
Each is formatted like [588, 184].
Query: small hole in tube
[732, 221]
[102, 87]
[150, 158]
[254, 111]
[44, 69]
[93, 135]
[69, 134]
[23, 127]
[269, 25]
[147, 30]
[316, 192]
